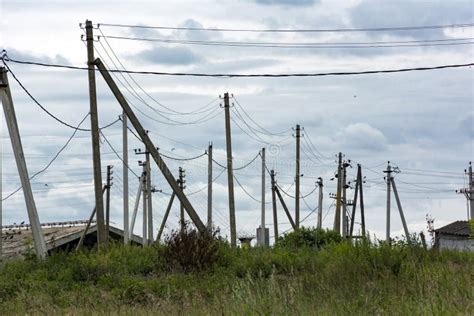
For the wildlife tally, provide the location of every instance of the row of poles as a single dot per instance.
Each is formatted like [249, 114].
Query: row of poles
[177, 185]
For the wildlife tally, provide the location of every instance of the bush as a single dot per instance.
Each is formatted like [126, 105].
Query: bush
[309, 238]
[189, 250]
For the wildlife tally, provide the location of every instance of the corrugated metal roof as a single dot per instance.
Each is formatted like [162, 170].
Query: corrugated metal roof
[459, 228]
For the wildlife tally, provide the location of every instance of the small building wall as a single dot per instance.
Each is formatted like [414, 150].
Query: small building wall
[455, 243]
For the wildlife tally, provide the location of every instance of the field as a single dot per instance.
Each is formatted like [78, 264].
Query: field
[336, 278]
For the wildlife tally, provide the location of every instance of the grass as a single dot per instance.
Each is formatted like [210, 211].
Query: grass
[335, 279]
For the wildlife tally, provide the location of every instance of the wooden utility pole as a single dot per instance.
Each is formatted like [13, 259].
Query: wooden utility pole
[209, 186]
[389, 182]
[337, 217]
[150, 146]
[126, 232]
[149, 198]
[262, 224]
[101, 233]
[107, 200]
[181, 182]
[137, 203]
[275, 215]
[165, 218]
[320, 202]
[13, 130]
[297, 179]
[230, 173]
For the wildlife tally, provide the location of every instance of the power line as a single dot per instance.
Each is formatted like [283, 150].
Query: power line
[349, 45]
[52, 160]
[118, 156]
[337, 30]
[223, 75]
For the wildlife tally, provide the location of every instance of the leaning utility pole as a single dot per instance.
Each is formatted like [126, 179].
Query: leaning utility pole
[400, 210]
[107, 200]
[99, 203]
[137, 203]
[126, 224]
[389, 182]
[165, 218]
[13, 130]
[209, 187]
[166, 172]
[320, 202]
[297, 179]
[230, 173]
[275, 215]
[149, 198]
[262, 225]
[337, 217]
[354, 201]
[181, 182]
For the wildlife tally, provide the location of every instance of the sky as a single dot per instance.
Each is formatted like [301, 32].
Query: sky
[422, 122]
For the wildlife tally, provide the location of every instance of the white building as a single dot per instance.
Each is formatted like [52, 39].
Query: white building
[454, 236]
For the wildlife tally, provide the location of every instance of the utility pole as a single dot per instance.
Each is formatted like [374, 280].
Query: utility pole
[107, 200]
[209, 187]
[337, 217]
[361, 188]
[230, 173]
[149, 198]
[344, 198]
[144, 202]
[354, 201]
[137, 203]
[126, 224]
[181, 182]
[389, 182]
[262, 225]
[320, 202]
[275, 215]
[400, 210]
[102, 238]
[469, 193]
[13, 130]
[165, 218]
[285, 208]
[297, 179]
[142, 133]
[88, 225]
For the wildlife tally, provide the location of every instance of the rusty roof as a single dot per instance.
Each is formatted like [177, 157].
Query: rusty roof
[459, 228]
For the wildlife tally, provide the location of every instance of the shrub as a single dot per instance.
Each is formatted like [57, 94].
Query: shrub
[309, 238]
[188, 250]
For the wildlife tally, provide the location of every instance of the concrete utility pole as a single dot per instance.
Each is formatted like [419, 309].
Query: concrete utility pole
[88, 225]
[389, 182]
[150, 146]
[101, 233]
[165, 218]
[354, 201]
[337, 217]
[181, 182]
[344, 198]
[209, 186]
[149, 198]
[107, 200]
[275, 215]
[262, 231]
[297, 179]
[400, 210]
[144, 202]
[471, 190]
[13, 130]
[320, 202]
[283, 204]
[362, 210]
[230, 173]
[126, 232]
[137, 203]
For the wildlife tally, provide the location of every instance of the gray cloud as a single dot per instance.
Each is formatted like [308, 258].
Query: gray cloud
[168, 56]
[287, 2]
[23, 55]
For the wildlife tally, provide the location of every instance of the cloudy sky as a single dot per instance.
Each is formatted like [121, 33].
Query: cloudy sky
[423, 122]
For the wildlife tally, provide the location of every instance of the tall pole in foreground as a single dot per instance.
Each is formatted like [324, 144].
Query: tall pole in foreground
[99, 203]
[262, 231]
[297, 179]
[230, 174]
[13, 130]
[320, 202]
[209, 186]
[126, 231]
[337, 217]
[275, 215]
[389, 182]
[181, 207]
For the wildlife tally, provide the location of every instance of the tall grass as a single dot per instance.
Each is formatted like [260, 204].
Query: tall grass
[335, 279]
